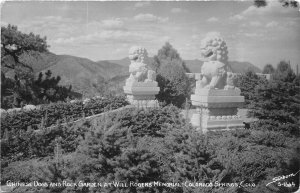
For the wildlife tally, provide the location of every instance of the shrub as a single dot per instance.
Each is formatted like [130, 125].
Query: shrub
[253, 156]
[146, 145]
[51, 114]
[22, 171]
[175, 86]
[32, 144]
[247, 82]
[143, 145]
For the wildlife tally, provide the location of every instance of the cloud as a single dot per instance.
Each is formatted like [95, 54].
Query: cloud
[273, 9]
[195, 37]
[48, 21]
[237, 17]
[150, 18]
[272, 24]
[116, 23]
[109, 36]
[165, 39]
[253, 35]
[178, 10]
[50, 26]
[255, 23]
[212, 19]
[213, 34]
[106, 24]
[3, 23]
[142, 4]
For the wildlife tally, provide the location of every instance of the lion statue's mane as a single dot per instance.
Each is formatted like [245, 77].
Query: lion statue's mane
[214, 69]
[139, 70]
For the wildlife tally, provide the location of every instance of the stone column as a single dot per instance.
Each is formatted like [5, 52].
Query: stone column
[141, 87]
[217, 109]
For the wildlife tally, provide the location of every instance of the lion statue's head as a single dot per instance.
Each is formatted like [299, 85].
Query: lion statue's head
[138, 54]
[213, 48]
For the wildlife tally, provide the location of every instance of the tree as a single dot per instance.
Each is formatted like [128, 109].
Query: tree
[247, 83]
[48, 89]
[18, 82]
[277, 103]
[268, 69]
[167, 54]
[172, 80]
[174, 85]
[285, 3]
[142, 146]
[283, 68]
[260, 3]
[15, 43]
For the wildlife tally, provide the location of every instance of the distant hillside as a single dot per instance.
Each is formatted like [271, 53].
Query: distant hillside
[89, 78]
[195, 65]
[122, 62]
[240, 67]
[237, 67]
[85, 76]
[126, 61]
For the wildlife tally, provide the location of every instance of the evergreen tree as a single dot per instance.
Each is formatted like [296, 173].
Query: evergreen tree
[268, 69]
[22, 88]
[174, 85]
[14, 43]
[172, 80]
[166, 55]
[277, 103]
[247, 83]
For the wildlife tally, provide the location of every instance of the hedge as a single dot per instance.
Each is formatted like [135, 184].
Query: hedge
[55, 113]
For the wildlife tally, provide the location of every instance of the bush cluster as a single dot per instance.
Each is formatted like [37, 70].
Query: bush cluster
[146, 145]
[31, 144]
[55, 113]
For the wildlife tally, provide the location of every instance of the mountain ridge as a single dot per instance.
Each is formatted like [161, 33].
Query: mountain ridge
[195, 65]
[89, 77]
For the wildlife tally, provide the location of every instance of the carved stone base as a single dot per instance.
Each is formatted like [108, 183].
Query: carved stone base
[142, 94]
[215, 123]
[142, 103]
[217, 109]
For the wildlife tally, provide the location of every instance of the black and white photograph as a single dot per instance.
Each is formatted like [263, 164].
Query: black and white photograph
[150, 96]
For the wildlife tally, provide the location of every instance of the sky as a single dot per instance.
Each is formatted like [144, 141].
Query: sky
[106, 30]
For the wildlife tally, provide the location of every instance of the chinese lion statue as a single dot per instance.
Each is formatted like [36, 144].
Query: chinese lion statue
[214, 69]
[138, 68]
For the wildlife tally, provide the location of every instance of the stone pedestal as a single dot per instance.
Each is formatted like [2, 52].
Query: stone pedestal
[217, 109]
[142, 94]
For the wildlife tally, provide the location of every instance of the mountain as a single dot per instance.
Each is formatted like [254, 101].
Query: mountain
[122, 62]
[126, 61]
[91, 78]
[195, 65]
[237, 67]
[113, 69]
[86, 76]
[241, 67]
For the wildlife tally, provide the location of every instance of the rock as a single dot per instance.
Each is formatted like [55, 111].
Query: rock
[29, 107]
[3, 111]
[13, 110]
[86, 101]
